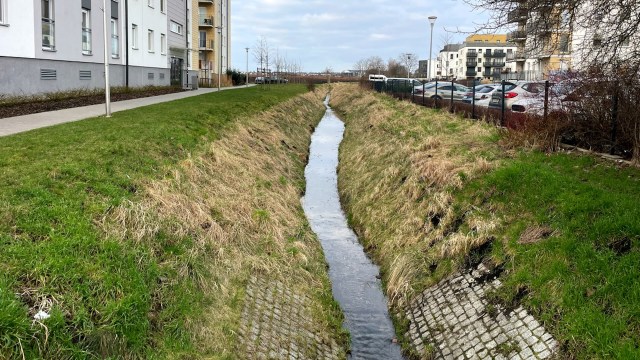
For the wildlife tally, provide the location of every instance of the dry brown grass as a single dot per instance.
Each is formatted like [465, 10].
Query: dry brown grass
[239, 204]
[400, 166]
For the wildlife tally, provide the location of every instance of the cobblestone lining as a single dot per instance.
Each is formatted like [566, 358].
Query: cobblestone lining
[453, 320]
[276, 324]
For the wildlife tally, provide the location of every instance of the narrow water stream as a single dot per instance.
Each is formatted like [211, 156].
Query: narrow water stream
[353, 276]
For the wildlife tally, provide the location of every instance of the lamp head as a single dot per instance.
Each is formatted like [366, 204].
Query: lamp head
[432, 19]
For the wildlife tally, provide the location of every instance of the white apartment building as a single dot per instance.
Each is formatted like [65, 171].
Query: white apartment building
[56, 45]
[448, 62]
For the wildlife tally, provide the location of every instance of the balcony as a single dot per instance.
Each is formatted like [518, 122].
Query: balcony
[206, 45]
[472, 62]
[206, 22]
[496, 63]
[517, 15]
[516, 56]
[471, 73]
[495, 55]
[518, 35]
[472, 54]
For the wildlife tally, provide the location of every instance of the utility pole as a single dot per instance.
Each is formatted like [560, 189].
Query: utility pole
[107, 90]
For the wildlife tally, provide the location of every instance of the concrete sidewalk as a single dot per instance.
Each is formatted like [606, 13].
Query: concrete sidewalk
[18, 124]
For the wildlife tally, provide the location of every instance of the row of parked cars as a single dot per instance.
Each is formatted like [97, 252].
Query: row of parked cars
[271, 80]
[520, 96]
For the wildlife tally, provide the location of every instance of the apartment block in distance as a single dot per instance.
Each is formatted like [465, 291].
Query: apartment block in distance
[56, 45]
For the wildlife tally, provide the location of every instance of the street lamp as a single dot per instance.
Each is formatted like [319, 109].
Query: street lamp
[107, 89]
[247, 80]
[432, 20]
[219, 27]
[408, 65]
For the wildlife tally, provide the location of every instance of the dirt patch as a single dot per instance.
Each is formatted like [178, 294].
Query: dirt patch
[33, 107]
[535, 234]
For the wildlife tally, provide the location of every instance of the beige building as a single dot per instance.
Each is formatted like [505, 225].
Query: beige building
[211, 50]
[543, 39]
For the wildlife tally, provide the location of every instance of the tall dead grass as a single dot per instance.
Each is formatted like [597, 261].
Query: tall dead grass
[400, 167]
[237, 206]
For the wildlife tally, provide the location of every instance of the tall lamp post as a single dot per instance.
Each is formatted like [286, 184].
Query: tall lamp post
[247, 80]
[432, 20]
[219, 27]
[408, 65]
[107, 88]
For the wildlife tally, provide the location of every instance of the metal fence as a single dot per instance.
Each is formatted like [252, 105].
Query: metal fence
[603, 120]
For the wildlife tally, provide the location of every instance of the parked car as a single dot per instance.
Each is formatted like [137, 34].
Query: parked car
[444, 91]
[405, 85]
[260, 80]
[521, 90]
[483, 95]
[561, 96]
[418, 89]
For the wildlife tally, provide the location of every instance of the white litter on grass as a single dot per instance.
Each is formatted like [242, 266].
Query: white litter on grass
[41, 315]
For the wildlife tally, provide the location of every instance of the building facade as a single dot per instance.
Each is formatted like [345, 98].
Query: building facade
[483, 57]
[58, 45]
[211, 23]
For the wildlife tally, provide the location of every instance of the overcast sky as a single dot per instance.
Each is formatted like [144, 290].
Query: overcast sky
[337, 33]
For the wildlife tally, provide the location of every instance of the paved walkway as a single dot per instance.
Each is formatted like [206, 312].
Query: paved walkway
[18, 124]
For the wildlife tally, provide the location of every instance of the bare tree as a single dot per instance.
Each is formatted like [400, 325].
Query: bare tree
[409, 61]
[375, 65]
[395, 69]
[261, 52]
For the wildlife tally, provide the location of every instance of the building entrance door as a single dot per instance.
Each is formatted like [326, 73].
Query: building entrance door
[176, 71]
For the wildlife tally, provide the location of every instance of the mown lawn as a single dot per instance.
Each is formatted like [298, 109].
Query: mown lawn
[106, 298]
[582, 278]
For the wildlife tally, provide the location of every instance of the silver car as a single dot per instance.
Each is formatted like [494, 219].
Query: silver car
[446, 90]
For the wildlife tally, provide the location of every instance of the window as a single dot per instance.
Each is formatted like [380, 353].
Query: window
[115, 46]
[451, 56]
[86, 32]
[175, 27]
[3, 12]
[163, 45]
[150, 41]
[163, 6]
[564, 43]
[134, 36]
[479, 69]
[48, 25]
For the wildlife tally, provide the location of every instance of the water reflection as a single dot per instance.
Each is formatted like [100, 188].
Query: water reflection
[353, 276]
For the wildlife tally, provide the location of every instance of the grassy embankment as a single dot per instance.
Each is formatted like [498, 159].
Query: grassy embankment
[138, 233]
[425, 189]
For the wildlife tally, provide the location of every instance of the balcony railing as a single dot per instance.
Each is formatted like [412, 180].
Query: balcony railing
[496, 55]
[207, 45]
[471, 73]
[472, 54]
[499, 63]
[516, 56]
[517, 15]
[206, 21]
[518, 35]
[472, 62]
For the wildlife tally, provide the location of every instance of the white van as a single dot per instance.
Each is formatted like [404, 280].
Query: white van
[377, 78]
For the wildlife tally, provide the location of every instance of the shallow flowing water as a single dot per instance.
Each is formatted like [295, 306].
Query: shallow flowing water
[353, 276]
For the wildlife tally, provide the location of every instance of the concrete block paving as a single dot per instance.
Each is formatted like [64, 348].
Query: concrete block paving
[276, 324]
[454, 320]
